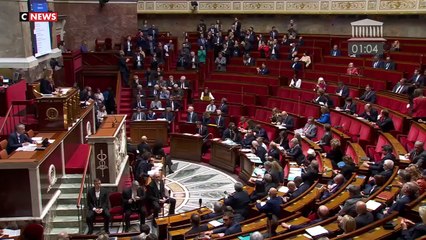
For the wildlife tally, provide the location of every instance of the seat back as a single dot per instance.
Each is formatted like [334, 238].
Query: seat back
[115, 199]
[3, 154]
[33, 231]
[3, 144]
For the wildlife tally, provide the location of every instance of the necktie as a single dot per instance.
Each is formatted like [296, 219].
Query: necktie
[19, 138]
[399, 89]
[294, 65]
[387, 65]
[417, 78]
[375, 65]
[173, 106]
[190, 117]
[334, 53]
[218, 121]
[139, 116]
[200, 130]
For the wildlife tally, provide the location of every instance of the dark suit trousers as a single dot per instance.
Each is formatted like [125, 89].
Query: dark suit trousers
[91, 215]
[129, 212]
[157, 208]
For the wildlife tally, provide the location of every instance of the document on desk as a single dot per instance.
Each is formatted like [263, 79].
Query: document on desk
[27, 148]
[316, 231]
[11, 233]
[294, 172]
[372, 205]
[258, 171]
[402, 157]
[283, 189]
[253, 158]
[215, 223]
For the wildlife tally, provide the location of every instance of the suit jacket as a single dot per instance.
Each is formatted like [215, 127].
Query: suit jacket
[369, 97]
[372, 117]
[151, 116]
[399, 204]
[350, 108]
[386, 124]
[220, 122]
[326, 138]
[364, 219]
[264, 71]
[297, 154]
[389, 65]
[235, 228]
[155, 194]
[176, 105]
[197, 229]
[418, 80]
[127, 194]
[46, 87]
[386, 173]
[251, 62]
[335, 53]
[300, 190]
[224, 108]
[233, 135]
[260, 152]
[169, 116]
[310, 175]
[288, 122]
[202, 130]
[143, 147]
[205, 120]
[415, 157]
[345, 91]
[135, 116]
[141, 104]
[321, 100]
[273, 205]
[296, 66]
[349, 206]
[378, 64]
[402, 90]
[417, 231]
[13, 143]
[92, 201]
[123, 65]
[136, 62]
[239, 202]
[192, 119]
[275, 153]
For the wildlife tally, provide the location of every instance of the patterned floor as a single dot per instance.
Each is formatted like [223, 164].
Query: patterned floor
[191, 182]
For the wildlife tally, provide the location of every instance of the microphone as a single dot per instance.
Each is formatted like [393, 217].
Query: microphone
[200, 202]
[170, 192]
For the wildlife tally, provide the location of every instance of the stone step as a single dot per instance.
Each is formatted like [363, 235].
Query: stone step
[55, 231]
[67, 210]
[70, 187]
[66, 222]
[68, 198]
[72, 178]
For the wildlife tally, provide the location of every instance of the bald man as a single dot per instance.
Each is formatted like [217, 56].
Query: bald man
[144, 147]
[273, 205]
[157, 195]
[287, 121]
[322, 214]
[334, 186]
[364, 217]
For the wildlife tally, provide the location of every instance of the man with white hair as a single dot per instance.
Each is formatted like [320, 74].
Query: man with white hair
[18, 139]
[418, 154]
[256, 236]
[258, 150]
[387, 169]
[183, 83]
[192, 116]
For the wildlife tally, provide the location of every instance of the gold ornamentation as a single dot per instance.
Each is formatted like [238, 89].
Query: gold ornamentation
[325, 5]
[236, 5]
[422, 4]
[397, 4]
[348, 5]
[302, 5]
[149, 6]
[217, 6]
[372, 4]
[268, 6]
[171, 6]
[280, 6]
[52, 113]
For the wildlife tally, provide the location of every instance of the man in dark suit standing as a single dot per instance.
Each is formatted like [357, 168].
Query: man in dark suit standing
[239, 200]
[287, 121]
[417, 78]
[224, 106]
[296, 65]
[173, 104]
[192, 116]
[157, 195]
[17, 139]
[132, 202]
[124, 69]
[237, 26]
[249, 60]
[272, 205]
[97, 204]
[219, 121]
[273, 33]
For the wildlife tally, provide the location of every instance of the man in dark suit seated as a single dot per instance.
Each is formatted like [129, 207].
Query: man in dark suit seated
[230, 226]
[342, 90]
[363, 216]
[192, 117]
[196, 227]
[302, 187]
[173, 104]
[417, 78]
[387, 169]
[389, 64]
[322, 214]
[326, 138]
[217, 211]
[262, 187]
[258, 150]
[349, 106]
[377, 63]
[349, 206]
[335, 52]
[369, 95]
[333, 186]
[18, 139]
[377, 167]
[401, 87]
[369, 113]
[97, 204]
[418, 154]
[409, 193]
[224, 106]
[138, 115]
[295, 152]
[384, 122]
[132, 202]
[232, 133]
[238, 200]
[248, 138]
[201, 130]
[272, 205]
[263, 70]
[310, 173]
[287, 121]
[157, 196]
[416, 231]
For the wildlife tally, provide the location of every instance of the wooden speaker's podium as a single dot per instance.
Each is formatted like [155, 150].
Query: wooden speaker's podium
[154, 130]
[186, 146]
[109, 155]
[59, 111]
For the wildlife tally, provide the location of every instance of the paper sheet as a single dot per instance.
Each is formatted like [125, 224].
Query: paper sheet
[283, 189]
[316, 231]
[373, 205]
[215, 223]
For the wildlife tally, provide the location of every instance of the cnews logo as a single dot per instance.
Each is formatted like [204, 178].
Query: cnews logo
[38, 16]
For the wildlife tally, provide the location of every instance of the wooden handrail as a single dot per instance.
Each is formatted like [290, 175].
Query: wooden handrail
[6, 118]
[80, 194]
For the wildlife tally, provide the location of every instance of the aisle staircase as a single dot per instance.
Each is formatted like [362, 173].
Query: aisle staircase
[126, 106]
[66, 214]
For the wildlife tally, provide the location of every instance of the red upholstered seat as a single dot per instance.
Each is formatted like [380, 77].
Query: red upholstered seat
[33, 231]
[116, 210]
